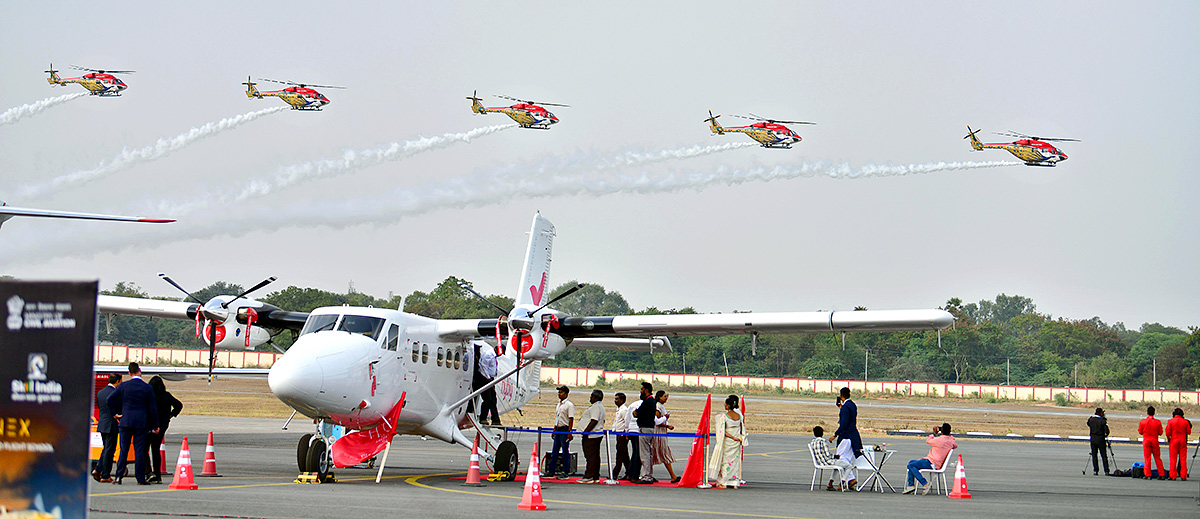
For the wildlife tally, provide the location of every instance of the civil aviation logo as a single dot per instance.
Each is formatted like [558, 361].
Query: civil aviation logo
[38, 315]
[15, 305]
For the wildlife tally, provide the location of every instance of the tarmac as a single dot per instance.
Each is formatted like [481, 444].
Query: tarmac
[423, 478]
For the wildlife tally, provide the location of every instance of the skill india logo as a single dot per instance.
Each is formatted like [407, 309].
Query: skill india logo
[15, 306]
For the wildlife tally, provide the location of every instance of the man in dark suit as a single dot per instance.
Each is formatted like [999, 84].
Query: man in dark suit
[138, 415]
[106, 425]
[848, 424]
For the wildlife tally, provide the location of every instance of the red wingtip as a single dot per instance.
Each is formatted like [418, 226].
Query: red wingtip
[155, 220]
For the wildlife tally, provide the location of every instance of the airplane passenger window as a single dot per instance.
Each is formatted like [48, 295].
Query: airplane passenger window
[457, 358]
[416, 350]
[369, 326]
[439, 356]
[316, 323]
[424, 354]
[393, 337]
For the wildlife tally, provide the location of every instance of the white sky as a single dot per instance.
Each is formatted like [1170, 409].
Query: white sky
[1111, 233]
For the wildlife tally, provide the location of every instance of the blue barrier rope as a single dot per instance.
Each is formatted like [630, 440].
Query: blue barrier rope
[543, 430]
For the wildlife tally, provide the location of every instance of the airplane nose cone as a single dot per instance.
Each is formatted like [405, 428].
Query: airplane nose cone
[321, 374]
[296, 380]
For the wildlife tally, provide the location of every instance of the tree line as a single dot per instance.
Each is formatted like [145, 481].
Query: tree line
[1000, 341]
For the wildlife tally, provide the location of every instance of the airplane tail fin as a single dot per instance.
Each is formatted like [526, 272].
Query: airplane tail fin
[53, 79]
[476, 104]
[974, 140]
[250, 90]
[535, 275]
[713, 125]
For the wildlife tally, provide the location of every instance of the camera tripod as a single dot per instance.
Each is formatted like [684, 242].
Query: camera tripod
[1107, 451]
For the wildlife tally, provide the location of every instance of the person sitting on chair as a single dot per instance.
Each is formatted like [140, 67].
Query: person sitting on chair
[820, 449]
[940, 445]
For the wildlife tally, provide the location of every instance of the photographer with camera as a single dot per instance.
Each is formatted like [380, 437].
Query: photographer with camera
[1098, 426]
[940, 445]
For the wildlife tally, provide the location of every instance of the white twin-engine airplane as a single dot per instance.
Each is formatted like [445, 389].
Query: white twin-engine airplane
[383, 372]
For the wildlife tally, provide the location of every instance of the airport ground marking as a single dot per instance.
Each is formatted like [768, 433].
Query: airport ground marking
[416, 481]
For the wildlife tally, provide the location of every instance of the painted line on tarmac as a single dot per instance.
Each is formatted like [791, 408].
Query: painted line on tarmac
[290, 481]
[416, 481]
[768, 454]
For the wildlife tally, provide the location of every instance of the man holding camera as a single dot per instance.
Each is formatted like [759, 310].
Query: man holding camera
[940, 445]
[1098, 426]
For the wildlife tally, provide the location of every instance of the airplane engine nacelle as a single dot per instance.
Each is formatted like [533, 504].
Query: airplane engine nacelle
[545, 346]
[232, 336]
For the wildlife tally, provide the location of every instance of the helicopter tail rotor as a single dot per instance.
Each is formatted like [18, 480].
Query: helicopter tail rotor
[53, 79]
[974, 140]
[476, 102]
[250, 90]
[714, 125]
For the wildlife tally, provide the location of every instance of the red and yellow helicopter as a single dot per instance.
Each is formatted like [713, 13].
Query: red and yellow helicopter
[770, 133]
[528, 114]
[299, 95]
[1035, 151]
[98, 82]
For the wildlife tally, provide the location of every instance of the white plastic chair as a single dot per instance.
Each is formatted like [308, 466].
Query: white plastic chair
[936, 475]
[818, 468]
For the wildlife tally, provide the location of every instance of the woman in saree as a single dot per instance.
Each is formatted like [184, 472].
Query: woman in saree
[725, 465]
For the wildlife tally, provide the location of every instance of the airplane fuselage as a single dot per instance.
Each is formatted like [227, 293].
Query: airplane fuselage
[350, 365]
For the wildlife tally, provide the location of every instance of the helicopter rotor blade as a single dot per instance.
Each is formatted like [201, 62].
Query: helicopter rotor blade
[278, 81]
[324, 86]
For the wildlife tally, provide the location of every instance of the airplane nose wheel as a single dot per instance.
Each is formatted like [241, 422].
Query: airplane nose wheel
[318, 459]
[302, 452]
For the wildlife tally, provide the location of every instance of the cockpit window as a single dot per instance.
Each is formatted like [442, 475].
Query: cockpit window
[393, 337]
[369, 326]
[317, 323]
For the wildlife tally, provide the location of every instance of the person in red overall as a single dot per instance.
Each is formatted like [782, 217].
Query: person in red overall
[1178, 429]
[1150, 429]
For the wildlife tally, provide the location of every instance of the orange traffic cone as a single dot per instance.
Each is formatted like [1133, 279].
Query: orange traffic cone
[532, 500]
[162, 455]
[960, 482]
[473, 472]
[183, 471]
[210, 460]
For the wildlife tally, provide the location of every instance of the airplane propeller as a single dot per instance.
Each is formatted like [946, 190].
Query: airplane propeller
[754, 117]
[77, 67]
[528, 102]
[214, 316]
[522, 324]
[1011, 133]
[301, 85]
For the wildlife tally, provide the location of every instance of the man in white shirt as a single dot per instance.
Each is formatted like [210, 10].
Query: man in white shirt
[564, 421]
[592, 420]
[485, 374]
[620, 427]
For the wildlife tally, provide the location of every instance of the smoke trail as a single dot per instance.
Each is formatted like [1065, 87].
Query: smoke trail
[483, 189]
[353, 161]
[130, 158]
[17, 113]
[356, 160]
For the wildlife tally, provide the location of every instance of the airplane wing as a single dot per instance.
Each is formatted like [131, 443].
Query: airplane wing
[682, 325]
[180, 372]
[269, 316]
[8, 211]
